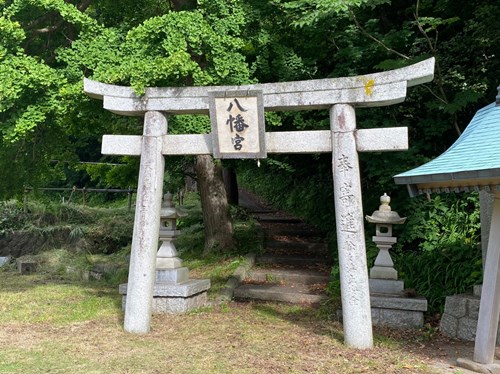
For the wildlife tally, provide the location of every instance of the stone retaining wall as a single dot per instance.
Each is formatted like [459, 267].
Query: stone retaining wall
[22, 243]
[459, 320]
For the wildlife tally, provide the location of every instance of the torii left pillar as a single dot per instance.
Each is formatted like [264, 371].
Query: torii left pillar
[141, 281]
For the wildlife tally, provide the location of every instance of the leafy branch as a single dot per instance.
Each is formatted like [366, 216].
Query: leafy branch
[376, 40]
[439, 76]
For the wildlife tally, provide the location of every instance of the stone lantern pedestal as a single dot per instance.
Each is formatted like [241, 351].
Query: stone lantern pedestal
[390, 305]
[173, 291]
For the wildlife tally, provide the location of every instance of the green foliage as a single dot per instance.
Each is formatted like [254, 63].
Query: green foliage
[440, 273]
[195, 47]
[310, 12]
[47, 48]
[110, 233]
[11, 216]
[440, 222]
[101, 230]
[438, 252]
[285, 183]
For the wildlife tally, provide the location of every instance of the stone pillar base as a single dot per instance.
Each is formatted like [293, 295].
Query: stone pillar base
[175, 298]
[396, 311]
[479, 368]
[383, 272]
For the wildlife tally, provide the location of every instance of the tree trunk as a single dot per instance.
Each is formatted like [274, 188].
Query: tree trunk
[216, 217]
[231, 185]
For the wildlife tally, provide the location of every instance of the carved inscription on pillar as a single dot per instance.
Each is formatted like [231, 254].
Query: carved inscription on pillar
[349, 226]
[355, 286]
[350, 233]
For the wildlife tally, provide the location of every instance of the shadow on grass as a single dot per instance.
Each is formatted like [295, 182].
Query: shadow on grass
[318, 319]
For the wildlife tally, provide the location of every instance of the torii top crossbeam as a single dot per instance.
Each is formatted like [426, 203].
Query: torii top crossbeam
[371, 90]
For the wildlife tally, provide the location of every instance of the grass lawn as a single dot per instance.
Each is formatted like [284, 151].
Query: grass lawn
[51, 325]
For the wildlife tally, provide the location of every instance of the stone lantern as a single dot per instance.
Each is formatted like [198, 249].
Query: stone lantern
[390, 305]
[168, 264]
[173, 291]
[384, 218]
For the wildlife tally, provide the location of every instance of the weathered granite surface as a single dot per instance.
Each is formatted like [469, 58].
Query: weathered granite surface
[377, 89]
[389, 286]
[174, 305]
[399, 319]
[398, 311]
[175, 298]
[459, 320]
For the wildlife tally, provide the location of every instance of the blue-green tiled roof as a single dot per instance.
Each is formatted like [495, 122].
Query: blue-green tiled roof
[474, 156]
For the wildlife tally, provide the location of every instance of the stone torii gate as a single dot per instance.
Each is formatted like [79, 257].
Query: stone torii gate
[340, 95]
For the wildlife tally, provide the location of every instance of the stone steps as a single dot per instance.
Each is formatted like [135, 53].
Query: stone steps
[288, 276]
[261, 217]
[292, 232]
[297, 248]
[289, 260]
[275, 292]
[286, 226]
[292, 272]
[294, 267]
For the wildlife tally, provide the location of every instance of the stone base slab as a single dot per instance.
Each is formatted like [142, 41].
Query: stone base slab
[399, 319]
[459, 320]
[162, 305]
[397, 311]
[185, 289]
[175, 298]
[386, 286]
[178, 275]
[179, 304]
[417, 304]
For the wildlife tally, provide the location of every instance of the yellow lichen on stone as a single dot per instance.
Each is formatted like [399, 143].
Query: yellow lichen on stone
[369, 86]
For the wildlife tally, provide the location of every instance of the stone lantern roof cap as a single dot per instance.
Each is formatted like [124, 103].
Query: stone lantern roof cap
[385, 214]
[168, 209]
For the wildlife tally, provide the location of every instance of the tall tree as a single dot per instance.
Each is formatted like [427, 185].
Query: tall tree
[57, 42]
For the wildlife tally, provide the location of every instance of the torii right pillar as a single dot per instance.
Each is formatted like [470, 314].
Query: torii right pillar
[350, 233]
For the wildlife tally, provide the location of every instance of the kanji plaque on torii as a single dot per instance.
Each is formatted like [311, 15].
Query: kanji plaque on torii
[237, 119]
[340, 95]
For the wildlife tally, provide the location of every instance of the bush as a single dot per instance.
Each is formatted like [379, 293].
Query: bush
[11, 216]
[102, 230]
[438, 252]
